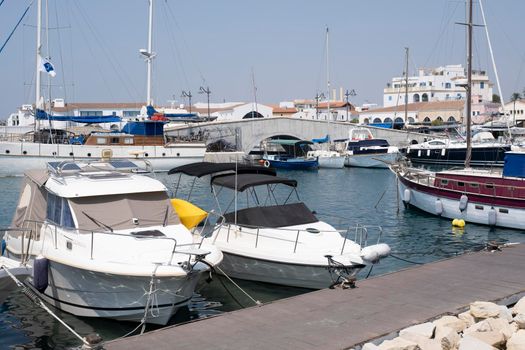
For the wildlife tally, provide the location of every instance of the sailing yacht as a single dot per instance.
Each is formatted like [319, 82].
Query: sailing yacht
[327, 158]
[490, 197]
[141, 139]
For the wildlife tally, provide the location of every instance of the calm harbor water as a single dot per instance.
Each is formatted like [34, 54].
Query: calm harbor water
[342, 197]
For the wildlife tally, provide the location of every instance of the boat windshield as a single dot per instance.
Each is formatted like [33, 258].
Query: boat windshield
[123, 211]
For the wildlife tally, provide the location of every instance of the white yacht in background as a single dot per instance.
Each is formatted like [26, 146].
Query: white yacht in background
[141, 138]
[364, 151]
[105, 241]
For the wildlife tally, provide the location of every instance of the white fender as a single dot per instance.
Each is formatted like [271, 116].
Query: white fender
[439, 207]
[443, 151]
[373, 253]
[492, 216]
[463, 201]
[266, 164]
[407, 195]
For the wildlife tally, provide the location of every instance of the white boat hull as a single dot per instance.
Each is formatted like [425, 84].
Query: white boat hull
[333, 162]
[93, 294]
[17, 157]
[287, 274]
[475, 212]
[379, 160]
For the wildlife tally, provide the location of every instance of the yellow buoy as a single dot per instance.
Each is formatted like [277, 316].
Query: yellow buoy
[190, 215]
[458, 223]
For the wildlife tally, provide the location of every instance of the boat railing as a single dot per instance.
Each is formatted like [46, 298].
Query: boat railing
[11, 137]
[362, 233]
[23, 232]
[31, 231]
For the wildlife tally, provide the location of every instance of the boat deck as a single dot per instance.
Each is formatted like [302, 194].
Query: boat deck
[339, 319]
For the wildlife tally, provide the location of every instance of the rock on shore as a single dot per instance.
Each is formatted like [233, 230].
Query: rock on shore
[485, 326]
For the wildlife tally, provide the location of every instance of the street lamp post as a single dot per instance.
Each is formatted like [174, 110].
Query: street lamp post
[188, 95]
[206, 91]
[318, 97]
[347, 95]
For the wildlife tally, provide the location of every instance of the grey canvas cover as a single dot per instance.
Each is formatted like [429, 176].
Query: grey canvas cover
[32, 202]
[123, 211]
[273, 216]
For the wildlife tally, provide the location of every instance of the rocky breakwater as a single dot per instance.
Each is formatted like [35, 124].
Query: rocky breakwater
[485, 326]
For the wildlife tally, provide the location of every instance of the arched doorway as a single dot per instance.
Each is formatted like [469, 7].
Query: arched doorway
[424, 98]
[416, 98]
[252, 114]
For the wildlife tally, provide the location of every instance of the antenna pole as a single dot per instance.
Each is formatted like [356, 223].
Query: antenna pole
[406, 85]
[38, 54]
[469, 85]
[149, 58]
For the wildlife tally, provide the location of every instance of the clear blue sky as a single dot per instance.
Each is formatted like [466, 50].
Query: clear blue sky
[219, 43]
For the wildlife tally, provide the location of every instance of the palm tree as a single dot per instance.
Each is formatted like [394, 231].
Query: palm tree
[515, 96]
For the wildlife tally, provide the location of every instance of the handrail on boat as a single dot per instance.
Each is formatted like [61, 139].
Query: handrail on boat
[92, 233]
[361, 233]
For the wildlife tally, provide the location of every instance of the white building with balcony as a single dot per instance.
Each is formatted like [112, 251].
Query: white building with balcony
[437, 84]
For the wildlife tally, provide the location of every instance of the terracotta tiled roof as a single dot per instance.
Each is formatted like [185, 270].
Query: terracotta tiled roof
[284, 110]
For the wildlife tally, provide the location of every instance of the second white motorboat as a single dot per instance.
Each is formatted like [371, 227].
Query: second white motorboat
[283, 243]
[105, 241]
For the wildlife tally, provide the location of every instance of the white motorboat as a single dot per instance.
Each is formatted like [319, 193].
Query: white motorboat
[364, 151]
[8, 268]
[283, 243]
[328, 159]
[104, 241]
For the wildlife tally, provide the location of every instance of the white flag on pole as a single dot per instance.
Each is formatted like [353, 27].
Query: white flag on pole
[46, 66]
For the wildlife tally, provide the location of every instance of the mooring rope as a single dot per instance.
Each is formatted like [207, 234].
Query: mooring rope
[34, 297]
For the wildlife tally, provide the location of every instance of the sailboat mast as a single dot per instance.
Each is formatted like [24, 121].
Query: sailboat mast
[327, 78]
[468, 155]
[38, 49]
[149, 58]
[406, 84]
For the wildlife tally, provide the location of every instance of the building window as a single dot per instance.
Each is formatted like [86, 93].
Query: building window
[416, 97]
[451, 119]
[130, 114]
[390, 98]
[482, 85]
[447, 85]
[90, 113]
[424, 98]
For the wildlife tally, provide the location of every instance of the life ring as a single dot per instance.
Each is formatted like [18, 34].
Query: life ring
[266, 164]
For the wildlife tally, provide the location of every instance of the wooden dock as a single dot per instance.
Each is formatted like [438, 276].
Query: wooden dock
[341, 319]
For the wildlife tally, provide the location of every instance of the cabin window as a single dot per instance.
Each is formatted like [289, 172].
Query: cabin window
[474, 185]
[101, 140]
[504, 211]
[115, 140]
[128, 140]
[479, 207]
[58, 211]
[461, 184]
[444, 182]
[489, 185]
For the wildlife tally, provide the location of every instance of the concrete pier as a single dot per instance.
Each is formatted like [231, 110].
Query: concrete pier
[342, 319]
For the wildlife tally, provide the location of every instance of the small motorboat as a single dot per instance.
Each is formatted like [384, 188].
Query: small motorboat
[364, 151]
[290, 155]
[281, 242]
